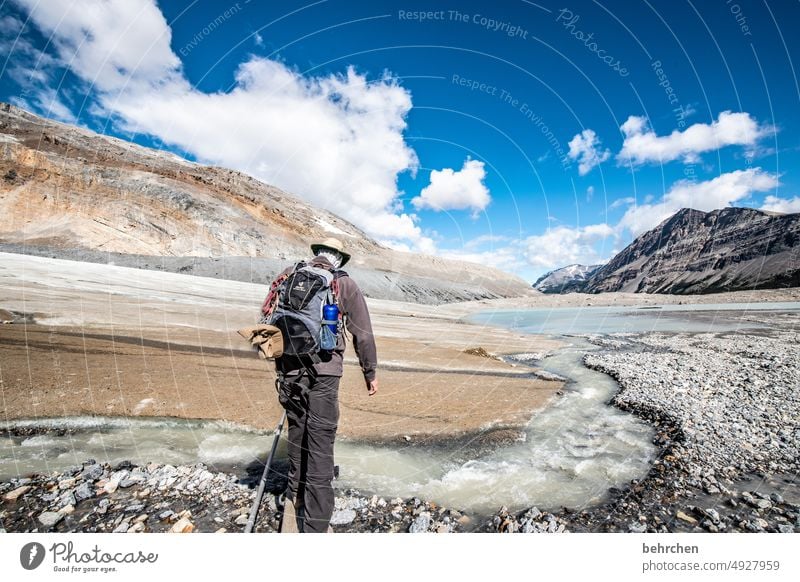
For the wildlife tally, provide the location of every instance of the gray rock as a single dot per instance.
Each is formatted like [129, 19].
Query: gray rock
[712, 514]
[763, 504]
[421, 523]
[350, 503]
[82, 492]
[92, 472]
[50, 518]
[119, 475]
[165, 472]
[343, 516]
[67, 498]
[637, 527]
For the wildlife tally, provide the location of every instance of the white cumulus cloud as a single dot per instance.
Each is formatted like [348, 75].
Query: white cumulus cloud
[334, 140]
[112, 44]
[585, 147]
[642, 145]
[784, 205]
[724, 190]
[562, 245]
[456, 190]
[505, 258]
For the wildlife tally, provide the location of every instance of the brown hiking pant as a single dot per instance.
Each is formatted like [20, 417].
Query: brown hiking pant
[312, 405]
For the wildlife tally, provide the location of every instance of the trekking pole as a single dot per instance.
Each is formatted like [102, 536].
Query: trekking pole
[251, 520]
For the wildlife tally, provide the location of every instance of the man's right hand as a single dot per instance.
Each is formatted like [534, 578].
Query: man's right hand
[372, 387]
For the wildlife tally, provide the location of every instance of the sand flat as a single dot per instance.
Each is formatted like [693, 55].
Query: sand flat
[115, 341]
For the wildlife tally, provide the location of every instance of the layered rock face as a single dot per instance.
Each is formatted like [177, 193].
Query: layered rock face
[729, 249]
[68, 192]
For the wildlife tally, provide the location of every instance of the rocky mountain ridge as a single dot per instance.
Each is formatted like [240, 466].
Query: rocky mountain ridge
[691, 252]
[68, 192]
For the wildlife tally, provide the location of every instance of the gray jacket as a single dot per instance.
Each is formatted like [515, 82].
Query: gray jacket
[354, 310]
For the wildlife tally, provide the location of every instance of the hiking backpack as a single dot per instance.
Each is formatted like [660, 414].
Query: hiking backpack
[295, 306]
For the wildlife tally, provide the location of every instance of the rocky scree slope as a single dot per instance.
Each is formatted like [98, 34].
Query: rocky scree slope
[71, 193]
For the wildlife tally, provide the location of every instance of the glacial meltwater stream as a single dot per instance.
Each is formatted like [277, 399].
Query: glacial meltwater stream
[569, 454]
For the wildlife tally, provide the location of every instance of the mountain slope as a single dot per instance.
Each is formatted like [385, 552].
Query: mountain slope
[72, 193]
[729, 249]
[565, 280]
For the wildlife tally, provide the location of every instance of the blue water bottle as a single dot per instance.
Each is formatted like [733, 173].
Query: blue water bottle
[330, 327]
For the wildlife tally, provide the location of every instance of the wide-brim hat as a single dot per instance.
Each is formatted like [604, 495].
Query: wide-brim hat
[331, 243]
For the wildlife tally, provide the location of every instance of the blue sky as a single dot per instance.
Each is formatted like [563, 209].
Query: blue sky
[527, 135]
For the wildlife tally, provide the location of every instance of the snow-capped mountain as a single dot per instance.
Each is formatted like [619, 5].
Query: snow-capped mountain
[566, 279]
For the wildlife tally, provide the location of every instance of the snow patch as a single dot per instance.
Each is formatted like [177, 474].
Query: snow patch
[331, 228]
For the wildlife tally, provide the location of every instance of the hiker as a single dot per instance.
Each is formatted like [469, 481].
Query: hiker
[309, 383]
